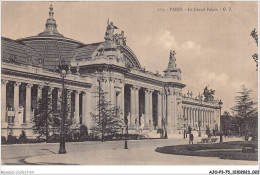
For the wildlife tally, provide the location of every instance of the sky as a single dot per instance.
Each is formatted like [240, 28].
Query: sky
[214, 48]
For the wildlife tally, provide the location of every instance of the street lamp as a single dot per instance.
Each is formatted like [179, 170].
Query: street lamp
[126, 130]
[63, 72]
[199, 128]
[220, 106]
[221, 134]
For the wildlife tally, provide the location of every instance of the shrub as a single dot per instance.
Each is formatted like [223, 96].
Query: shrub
[53, 138]
[23, 137]
[12, 139]
[3, 140]
[83, 133]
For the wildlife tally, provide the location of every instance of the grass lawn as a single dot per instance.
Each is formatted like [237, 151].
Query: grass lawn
[230, 150]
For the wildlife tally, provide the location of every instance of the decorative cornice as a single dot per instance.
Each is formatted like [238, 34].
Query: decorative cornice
[103, 67]
[200, 104]
[43, 78]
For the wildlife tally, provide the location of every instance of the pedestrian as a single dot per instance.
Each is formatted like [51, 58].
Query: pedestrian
[191, 138]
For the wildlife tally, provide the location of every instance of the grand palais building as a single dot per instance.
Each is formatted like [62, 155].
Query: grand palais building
[29, 71]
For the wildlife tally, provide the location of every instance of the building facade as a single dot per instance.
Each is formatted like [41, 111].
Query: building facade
[149, 100]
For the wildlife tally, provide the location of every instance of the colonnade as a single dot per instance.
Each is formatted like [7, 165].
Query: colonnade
[164, 102]
[194, 115]
[28, 110]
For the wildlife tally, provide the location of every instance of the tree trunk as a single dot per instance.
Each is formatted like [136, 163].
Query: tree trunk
[246, 131]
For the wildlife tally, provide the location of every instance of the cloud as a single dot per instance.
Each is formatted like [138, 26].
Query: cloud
[167, 40]
[191, 46]
[208, 77]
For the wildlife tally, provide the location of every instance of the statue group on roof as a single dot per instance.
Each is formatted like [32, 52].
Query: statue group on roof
[208, 94]
[119, 39]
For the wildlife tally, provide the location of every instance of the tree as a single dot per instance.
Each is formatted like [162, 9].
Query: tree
[43, 117]
[108, 120]
[47, 118]
[226, 122]
[57, 117]
[255, 56]
[245, 109]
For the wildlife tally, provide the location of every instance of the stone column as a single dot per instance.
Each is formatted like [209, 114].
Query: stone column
[208, 118]
[84, 109]
[77, 107]
[87, 104]
[39, 92]
[132, 110]
[16, 102]
[16, 95]
[159, 109]
[196, 117]
[28, 103]
[174, 111]
[3, 100]
[122, 105]
[203, 118]
[136, 103]
[112, 93]
[168, 109]
[151, 106]
[193, 118]
[146, 109]
[210, 121]
[163, 106]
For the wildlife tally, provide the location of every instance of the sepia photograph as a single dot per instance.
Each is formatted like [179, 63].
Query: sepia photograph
[129, 83]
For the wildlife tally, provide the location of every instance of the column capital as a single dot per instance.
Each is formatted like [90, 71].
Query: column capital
[29, 85]
[148, 90]
[102, 79]
[17, 83]
[4, 82]
[159, 93]
[69, 91]
[77, 92]
[169, 92]
[59, 89]
[50, 88]
[135, 87]
[40, 87]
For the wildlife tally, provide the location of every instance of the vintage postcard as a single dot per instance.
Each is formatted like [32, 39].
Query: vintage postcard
[129, 83]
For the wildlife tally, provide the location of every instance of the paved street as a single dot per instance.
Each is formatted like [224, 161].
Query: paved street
[109, 153]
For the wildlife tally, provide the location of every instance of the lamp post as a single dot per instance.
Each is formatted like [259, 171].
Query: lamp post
[63, 72]
[199, 115]
[221, 134]
[126, 135]
[199, 129]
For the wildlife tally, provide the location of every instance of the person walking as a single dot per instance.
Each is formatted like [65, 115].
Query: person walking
[191, 138]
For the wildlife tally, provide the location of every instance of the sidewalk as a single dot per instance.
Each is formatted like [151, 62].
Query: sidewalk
[131, 156]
